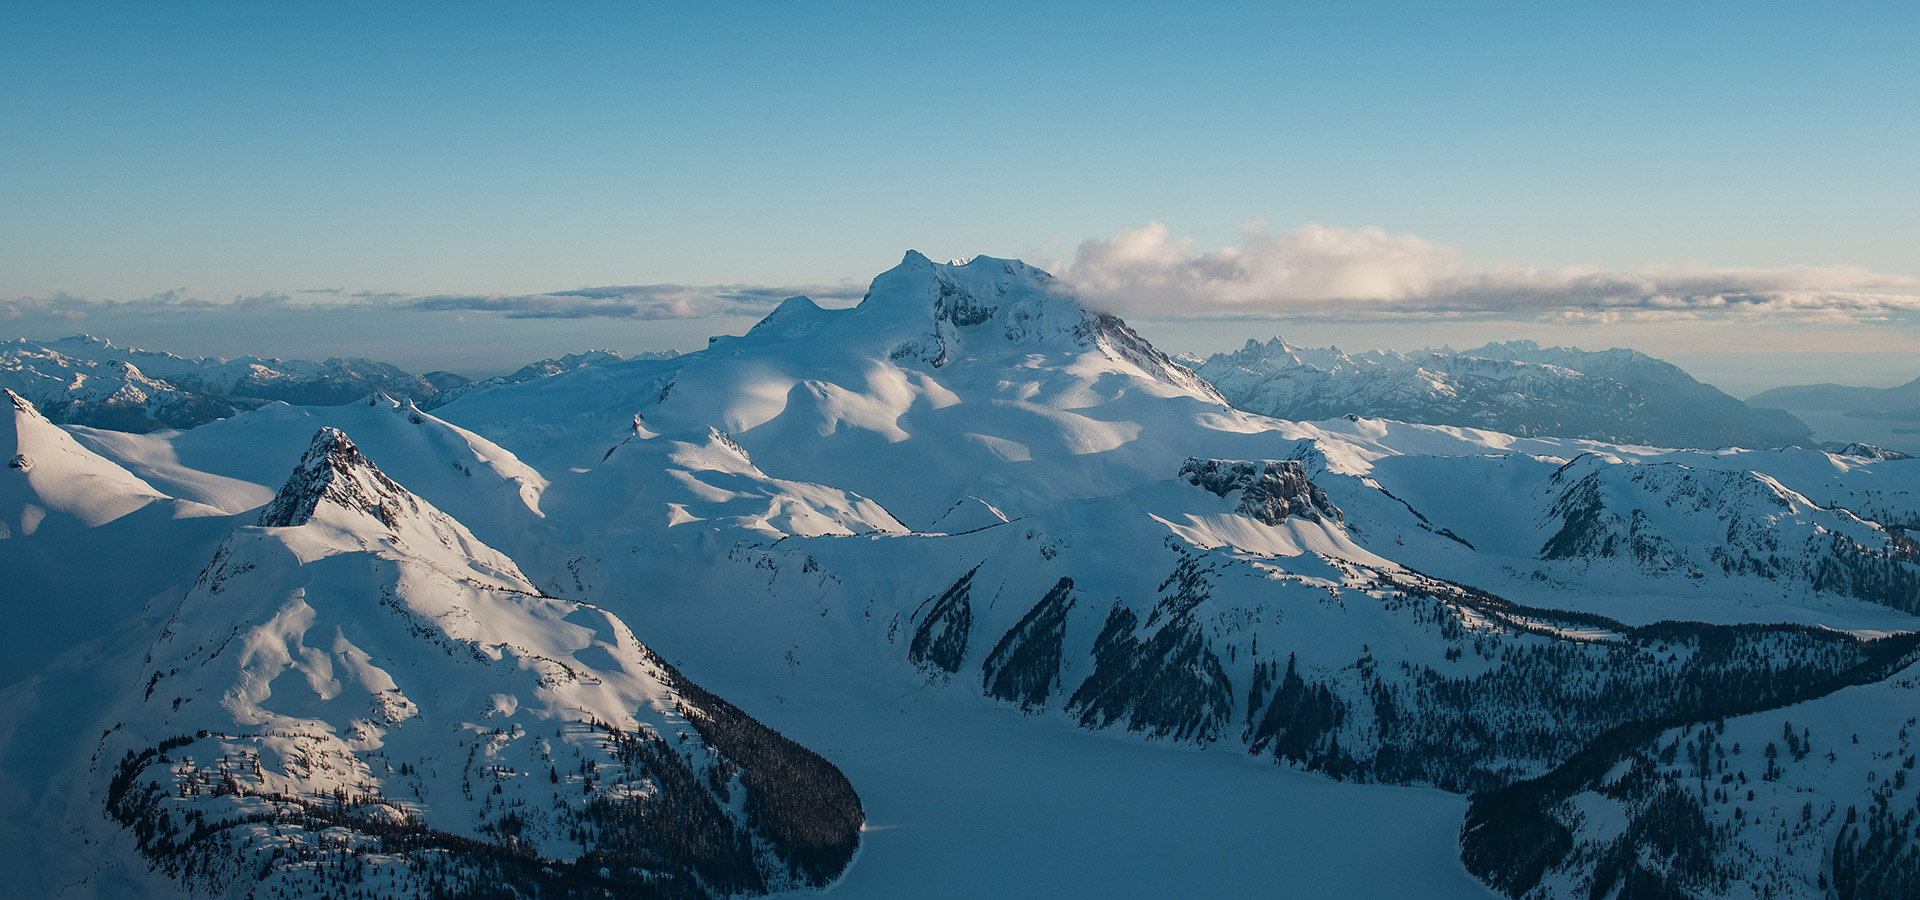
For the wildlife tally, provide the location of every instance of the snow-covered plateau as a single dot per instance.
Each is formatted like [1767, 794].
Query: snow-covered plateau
[963, 591]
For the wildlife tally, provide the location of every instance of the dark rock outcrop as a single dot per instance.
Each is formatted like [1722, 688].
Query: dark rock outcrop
[1271, 491]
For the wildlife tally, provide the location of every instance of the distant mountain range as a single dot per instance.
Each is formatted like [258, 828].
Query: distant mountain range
[1886, 417]
[1518, 387]
[1901, 402]
[85, 380]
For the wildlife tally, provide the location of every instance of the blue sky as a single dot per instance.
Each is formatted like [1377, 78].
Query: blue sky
[238, 149]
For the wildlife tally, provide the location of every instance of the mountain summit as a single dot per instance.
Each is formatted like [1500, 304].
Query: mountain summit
[338, 486]
[917, 398]
[333, 469]
[980, 309]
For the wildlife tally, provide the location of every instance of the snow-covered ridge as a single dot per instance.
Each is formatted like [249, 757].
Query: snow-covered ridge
[1808, 800]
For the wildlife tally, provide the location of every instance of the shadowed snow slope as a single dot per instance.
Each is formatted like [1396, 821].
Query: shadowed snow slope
[82, 541]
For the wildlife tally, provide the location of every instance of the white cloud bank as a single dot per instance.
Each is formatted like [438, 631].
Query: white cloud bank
[648, 302]
[1314, 272]
[1322, 271]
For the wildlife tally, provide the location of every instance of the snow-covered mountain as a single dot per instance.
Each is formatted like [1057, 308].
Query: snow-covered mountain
[76, 383]
[922, 397]
[362, 682]
[974, 544]
[88, 381]
[1619, 396]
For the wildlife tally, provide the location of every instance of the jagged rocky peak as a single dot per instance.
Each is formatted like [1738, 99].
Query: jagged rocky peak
[335, 470]
[1271, 491]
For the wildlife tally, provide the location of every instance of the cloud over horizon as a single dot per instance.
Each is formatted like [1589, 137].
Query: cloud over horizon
[640, 302]
[1315, 272]
[1321, 271]
[646, 301]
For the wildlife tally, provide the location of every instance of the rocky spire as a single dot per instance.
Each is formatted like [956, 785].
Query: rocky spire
[335, 470]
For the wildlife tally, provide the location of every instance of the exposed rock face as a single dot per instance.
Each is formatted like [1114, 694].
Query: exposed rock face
[1271, 490]
[334, 469]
